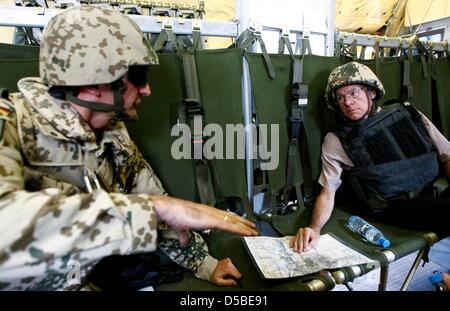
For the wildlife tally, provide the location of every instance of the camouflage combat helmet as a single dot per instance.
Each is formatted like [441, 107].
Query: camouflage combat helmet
[89, 45]
[351, 73]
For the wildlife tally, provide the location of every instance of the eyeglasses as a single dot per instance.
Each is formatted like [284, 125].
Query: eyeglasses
[353, 94]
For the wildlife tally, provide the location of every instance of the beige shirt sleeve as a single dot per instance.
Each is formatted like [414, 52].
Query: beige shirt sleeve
[334, 159]
[440, 144]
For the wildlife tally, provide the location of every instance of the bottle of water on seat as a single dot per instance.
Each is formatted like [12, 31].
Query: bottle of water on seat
[438, 282]
[369, 232]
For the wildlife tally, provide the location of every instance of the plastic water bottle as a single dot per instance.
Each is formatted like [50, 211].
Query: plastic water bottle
[369, 232]
[438, 282]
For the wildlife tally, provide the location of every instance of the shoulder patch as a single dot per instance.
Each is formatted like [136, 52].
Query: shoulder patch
[4, 111]
[6, 108]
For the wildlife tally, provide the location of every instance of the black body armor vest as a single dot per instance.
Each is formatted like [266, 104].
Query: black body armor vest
[392, 154]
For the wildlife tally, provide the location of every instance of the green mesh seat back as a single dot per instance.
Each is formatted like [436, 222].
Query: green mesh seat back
[403, 241]
[220, 91]
[319, 120]
[12, 70]
[17, 51]
[17, 62]
[272, 100]
[158, 113]
[443, 93]
[421, 82]
[219, 74]
[390, 73]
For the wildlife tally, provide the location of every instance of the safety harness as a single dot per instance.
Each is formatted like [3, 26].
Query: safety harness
[299, 100]
[191, 112]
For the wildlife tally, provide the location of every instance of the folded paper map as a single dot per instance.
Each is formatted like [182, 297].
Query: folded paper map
[276, 259]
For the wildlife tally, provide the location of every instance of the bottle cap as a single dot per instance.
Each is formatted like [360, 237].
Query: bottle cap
[436, 278]
[384, 242]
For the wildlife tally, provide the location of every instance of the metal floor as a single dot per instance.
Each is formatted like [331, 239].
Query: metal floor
[439, 261]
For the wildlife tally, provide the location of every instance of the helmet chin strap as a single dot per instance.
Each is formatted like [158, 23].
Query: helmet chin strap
[117, 107]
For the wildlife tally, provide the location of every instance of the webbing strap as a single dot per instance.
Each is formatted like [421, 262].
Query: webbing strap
[204, 182]
[165, 36]
[247, 38]
[379, 52]
[424, 65]
[422, 53]
[305, 45]
[190, 73]
[197, 40]
[354, 49]
[362, 53]
[284, 42]
[339, 46]
[299, 100]
[447, 50]
[407, 89]
[432, 61]
[191, 112]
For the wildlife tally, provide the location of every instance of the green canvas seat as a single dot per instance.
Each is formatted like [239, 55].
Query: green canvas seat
[442, 71]
[272, 99]
[219, 74]
[403, 241]
[421, 82]
[157, 115]
[12, 70]
[273, 95]
[16, 51]
[17, 62]
[389, 71]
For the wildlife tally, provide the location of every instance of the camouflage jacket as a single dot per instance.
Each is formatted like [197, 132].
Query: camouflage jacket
[53, 229]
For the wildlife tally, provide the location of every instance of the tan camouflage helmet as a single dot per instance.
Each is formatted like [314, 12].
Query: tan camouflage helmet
[351, 73]
[87, 45]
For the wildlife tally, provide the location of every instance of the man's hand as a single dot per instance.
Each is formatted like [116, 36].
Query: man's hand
[182, 215]
[304, 239]
[225, 273]
[446, 278]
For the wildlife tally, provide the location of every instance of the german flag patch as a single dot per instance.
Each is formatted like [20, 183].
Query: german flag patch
[4, 111]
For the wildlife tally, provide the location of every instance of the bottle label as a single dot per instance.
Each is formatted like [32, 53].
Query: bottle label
[365, 227]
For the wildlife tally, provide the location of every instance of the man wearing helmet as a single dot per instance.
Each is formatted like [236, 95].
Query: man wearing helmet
[73, 186]
[389, 157]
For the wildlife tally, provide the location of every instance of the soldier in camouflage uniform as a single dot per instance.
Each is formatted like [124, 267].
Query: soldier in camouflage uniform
[73, 186]
[390, 156]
